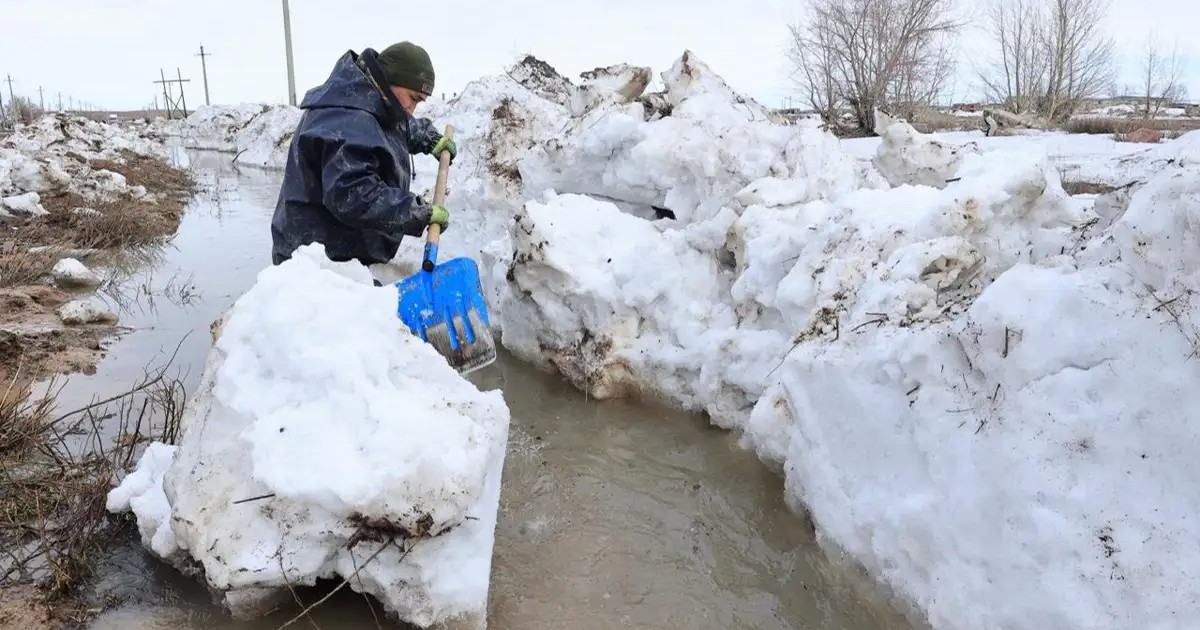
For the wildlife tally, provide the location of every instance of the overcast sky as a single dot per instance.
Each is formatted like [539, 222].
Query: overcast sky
[109, 52]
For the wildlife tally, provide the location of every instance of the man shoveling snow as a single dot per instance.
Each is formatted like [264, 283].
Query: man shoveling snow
[346, 181]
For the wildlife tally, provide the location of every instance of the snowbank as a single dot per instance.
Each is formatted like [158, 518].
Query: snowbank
[1042, 432]
[712, 145]
[258, 135]
[324, 435]
[962, 372]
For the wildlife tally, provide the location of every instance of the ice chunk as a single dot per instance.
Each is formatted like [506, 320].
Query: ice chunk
[24, 205]
[322, 429]
[86, 311]
[142, 493]
[69, 272]
[907, 157]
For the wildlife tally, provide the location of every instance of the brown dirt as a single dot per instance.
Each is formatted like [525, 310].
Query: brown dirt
[1087, 188]
[35, 342]
[21, 609]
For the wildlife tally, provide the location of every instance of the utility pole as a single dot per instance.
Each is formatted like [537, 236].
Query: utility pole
[172, 105]
[41, 99]
[182, 98]
[60, 101]
[287, 42]
[11, 98]
[204, 69]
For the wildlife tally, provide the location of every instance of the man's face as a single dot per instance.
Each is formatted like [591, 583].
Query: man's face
[408, 98]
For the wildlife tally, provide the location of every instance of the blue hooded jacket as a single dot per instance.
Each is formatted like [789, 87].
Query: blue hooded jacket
[346, 181]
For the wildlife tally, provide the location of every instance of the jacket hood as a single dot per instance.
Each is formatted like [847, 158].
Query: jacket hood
[347, 86]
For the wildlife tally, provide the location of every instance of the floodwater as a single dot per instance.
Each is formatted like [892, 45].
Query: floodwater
[613, 514]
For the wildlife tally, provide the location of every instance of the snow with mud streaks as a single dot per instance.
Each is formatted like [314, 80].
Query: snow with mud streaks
[976, 383]
[321, 429]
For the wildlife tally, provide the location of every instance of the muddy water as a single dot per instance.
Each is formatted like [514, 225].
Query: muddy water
[613, 514]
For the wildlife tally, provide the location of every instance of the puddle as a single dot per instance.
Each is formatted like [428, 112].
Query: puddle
[613, 514]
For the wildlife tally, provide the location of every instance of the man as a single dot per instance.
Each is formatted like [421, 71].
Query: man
[346, 182]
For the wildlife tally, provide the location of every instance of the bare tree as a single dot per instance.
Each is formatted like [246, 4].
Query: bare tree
[1017, 79]
[1160, 79]
[1081, 56]
[1052, 54]
[862, 55]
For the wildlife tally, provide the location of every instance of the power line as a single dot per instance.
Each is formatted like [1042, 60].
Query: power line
[204, 69]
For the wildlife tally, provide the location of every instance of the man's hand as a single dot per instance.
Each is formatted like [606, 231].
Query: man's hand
[444, 144]
[440, 216]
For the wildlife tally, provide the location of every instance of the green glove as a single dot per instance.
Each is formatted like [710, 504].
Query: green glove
[440, 216]
[444, 144]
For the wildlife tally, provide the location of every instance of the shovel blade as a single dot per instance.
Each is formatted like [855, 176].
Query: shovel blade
[446, 308]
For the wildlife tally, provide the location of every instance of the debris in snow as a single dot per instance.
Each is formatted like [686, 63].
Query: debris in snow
[266, 491]
[615, 84]
[69, 273]
[907, 157]
[86, 311]
[542, 79]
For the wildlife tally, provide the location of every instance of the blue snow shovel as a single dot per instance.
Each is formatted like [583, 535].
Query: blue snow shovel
[444, 304]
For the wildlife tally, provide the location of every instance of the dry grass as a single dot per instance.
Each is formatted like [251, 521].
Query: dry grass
[1122, 126]
[116, 224]
[56, 469]
[18, 266]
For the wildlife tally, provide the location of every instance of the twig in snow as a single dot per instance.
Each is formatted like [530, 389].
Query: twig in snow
[346, 581]
[366, 598]
[295, 595]
[258, 498]
[877, 320]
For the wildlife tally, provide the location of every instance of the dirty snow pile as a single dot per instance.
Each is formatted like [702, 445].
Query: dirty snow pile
[311, 444]
[257, 135]
[60, 152]
[968, 376]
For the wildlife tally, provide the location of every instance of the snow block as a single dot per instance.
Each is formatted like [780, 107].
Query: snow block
[907, 157]
[713, 144]
[620, 306]
[322, 431]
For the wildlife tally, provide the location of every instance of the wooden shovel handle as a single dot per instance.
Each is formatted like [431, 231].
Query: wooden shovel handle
[439, 189]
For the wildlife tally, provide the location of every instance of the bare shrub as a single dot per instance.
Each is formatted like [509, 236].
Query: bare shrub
[19, 266]
[24, 110]
[56, 469]
[1099, 125]
[1123, 126]
[859, 55]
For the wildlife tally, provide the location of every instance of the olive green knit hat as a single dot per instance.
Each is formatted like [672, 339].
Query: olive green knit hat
[407, 65]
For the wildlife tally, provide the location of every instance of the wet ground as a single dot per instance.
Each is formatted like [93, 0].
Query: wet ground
[613, 514]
